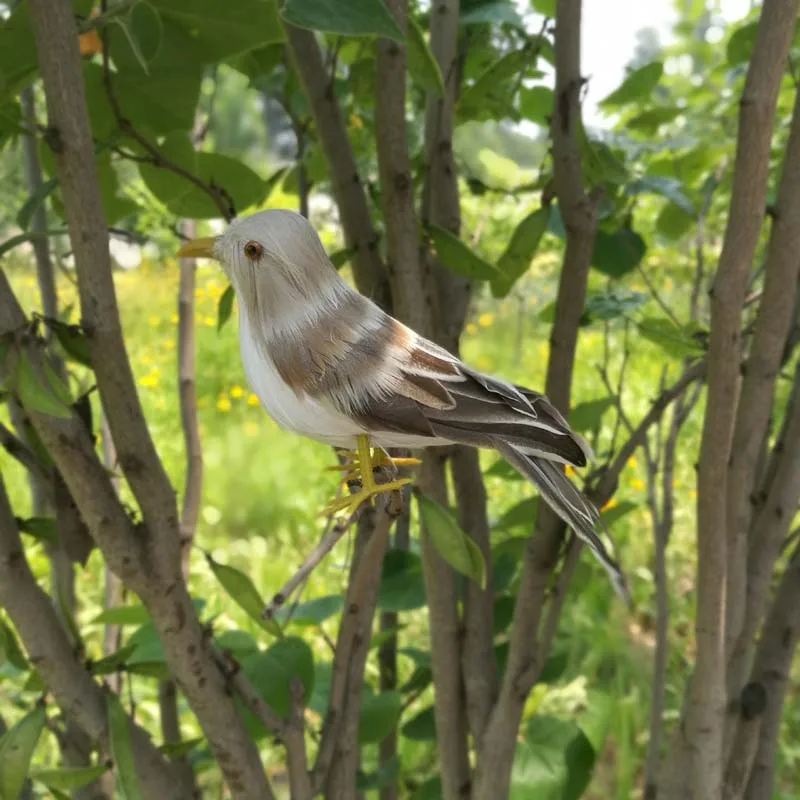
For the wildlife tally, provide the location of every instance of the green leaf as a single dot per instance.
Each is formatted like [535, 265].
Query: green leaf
[458, 257]
[616, 254]
[16, 751]
[122, 615]
[637, 85]
[17, 51]
[740, 45]
[67, 779]
[120, 739]
[536, 104]
[273, 671]
[554, 667]
[341, 257]
[225, 307]
[455, 546]
[421, 727]
[521, 513]
[616, 512]
[73, 340]
[673, 222]
[378, 716]
[44, 529]
[580, 757]
[430, 790]
[674, 341]
[353, 18]
[35, 395]
[520, 250]
[612, 304]
[545, 7]
[21, 238]
[648, 122]
[242, 591]
[494, 12]
[587, 416]
[422, 66]
[671, 188]
[402, 585]
[180, 749]
[502, 469]
[312, 612]
[491, 95]
[34, 202]
[10, 650]
[112, 662]
[546, 763]
[184, 198]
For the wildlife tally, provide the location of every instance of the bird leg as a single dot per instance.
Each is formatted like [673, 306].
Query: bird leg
[361, 468]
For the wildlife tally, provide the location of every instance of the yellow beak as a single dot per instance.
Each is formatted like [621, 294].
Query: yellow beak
[198, 248]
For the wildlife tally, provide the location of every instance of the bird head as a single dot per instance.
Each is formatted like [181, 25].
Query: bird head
[273, 255]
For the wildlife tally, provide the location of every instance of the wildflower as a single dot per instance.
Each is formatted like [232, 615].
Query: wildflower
[151, 379]
[173, 317]
[209, 321]
[485, 320]
[252, 399]
[471, 328]
[637, 483]
[223, 403]
[237, 391]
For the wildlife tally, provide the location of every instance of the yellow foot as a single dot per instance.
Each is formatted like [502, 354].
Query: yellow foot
[362, 462]
[350, 503]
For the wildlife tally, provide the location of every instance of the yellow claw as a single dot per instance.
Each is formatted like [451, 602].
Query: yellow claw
[363, 462]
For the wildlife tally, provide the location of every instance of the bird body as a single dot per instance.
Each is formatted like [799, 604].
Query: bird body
[327, 363]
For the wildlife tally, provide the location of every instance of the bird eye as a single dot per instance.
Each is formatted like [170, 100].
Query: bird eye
[253, 250]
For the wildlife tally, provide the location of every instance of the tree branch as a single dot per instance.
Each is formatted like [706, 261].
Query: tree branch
[51, 653]
[337, 757]
[763, 364]
[706, 710]
[368, 269]
[541, 553]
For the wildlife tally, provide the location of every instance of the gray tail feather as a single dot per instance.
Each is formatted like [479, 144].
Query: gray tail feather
[570, 504]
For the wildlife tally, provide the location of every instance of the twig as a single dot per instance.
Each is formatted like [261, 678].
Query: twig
[328, 541]
[295, 741]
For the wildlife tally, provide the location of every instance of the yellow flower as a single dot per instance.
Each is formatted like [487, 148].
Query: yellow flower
[209, 321]
[485, 320]
[471, 328]
[223, 403]
[173, 317]
[631, 462]
[199, 294]
[610, 504]
[153, 321]
[252, 399]
[570, 470]
[236, 390]
[637, 483]
[150, 380]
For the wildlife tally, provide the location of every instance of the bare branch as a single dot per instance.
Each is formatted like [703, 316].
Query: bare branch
[294, 739]
[368, 269]
[706, 710]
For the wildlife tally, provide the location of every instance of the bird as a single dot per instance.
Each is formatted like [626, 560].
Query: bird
[328, 364]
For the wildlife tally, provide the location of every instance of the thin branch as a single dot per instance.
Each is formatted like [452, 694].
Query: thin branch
[337, 755]
[295, 741]
[368, 269]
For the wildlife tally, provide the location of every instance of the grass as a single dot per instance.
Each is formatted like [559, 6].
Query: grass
[263, 488]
